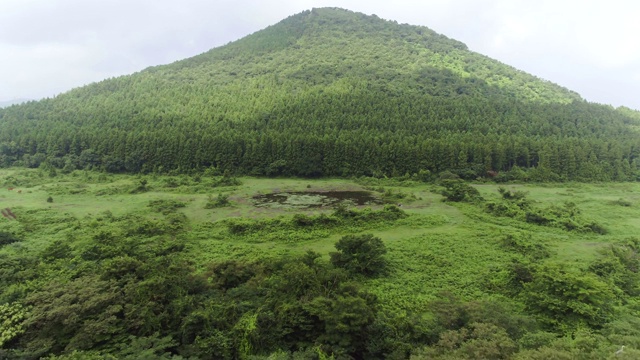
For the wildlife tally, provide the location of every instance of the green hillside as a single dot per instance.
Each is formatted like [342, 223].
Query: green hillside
[328, 92]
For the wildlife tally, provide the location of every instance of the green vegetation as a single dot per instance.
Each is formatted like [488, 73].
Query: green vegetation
[328, 92]
[221, 200]
[124, 275]
[567, 216]
[361, 254]
[419, 256]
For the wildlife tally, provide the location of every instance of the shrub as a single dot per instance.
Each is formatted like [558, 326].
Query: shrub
[391, 197]
[8, 238]
[221, 201]
[565, 299]
[302, 220]
[621, 202]
[512, 194]
[363, 254]
[166, 206]
[56, 250]
[459, 191]
[142, 187]
[447, 175]
[226, 180]
[526, 247]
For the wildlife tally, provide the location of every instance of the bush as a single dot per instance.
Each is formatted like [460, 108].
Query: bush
[391, 197]
[447, 175]
[459, 191]
[621, 202]
[536, 217]
[226, 180]
[512, 194]
[503, 208]
[166, 206]
[566, 299]
[56, 250]
[303, 220]
[526, 247]
[8, 238]
[141, 187]
[221, 201]
[361, 254]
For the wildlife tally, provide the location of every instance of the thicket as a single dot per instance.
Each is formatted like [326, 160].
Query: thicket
[459, 191]
[128, 290]
[514, 204]
[144, 297]
[302, 227]
[166, 206]
[219, 201]
[360, 254]
[7, 238]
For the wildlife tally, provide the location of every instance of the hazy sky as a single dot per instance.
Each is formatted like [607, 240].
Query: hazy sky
[50, 46]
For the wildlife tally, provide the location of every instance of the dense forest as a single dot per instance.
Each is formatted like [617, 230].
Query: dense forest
[328, 92]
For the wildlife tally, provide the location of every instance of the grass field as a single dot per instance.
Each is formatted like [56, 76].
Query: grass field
[467, 249]
[441, 246]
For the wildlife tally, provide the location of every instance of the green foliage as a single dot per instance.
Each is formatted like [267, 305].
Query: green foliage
[148, 347]
[302, 227]
[141, 187]
[360, 254]
[526, 247]
[12, 317]
[221, 200]
[226, 180]
[566, 299]
[388, 213]
[56, 250]
[107, 278]
[620, 265]
[78, 315]
[514, 204]
[7, 238]
[512, 195]
[459, 191]
[479, 341]
[566, 216]
[622, 202]
[393, 197]
[166, 206]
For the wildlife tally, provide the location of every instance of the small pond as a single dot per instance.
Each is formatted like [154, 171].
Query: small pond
[315, 199]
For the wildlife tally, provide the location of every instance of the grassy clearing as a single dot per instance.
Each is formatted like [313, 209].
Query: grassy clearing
[482, 253]
[81, 195]
[440, 246]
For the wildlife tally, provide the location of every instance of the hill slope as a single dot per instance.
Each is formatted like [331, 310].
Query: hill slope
[327, 92]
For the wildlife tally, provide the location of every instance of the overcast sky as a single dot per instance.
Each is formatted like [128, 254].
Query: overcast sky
[50, 46]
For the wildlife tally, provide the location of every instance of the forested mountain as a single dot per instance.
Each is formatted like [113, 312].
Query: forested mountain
[328, 92]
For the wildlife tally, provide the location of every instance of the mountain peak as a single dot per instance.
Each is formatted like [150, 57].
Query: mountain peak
[296, 97]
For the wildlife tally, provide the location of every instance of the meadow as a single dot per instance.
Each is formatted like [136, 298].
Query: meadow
[467, 251]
